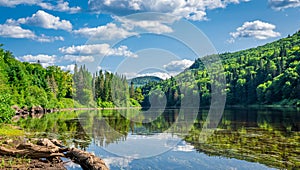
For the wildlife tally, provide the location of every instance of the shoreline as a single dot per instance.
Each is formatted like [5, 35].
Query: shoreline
[26, 152]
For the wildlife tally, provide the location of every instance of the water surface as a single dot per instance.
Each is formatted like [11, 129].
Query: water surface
[245, 138]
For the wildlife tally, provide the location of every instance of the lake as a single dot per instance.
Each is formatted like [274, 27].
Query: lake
[243, 137]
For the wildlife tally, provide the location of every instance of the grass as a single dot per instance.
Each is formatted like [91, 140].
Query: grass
[14, 163]
[10, 131]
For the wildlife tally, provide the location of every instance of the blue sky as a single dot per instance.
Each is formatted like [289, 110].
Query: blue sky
[140, 37]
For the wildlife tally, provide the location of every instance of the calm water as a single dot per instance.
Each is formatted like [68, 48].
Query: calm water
[244, 138]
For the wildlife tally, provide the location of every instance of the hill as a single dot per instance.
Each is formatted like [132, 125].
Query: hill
[140, 81]
[27, 85]
[267, 74]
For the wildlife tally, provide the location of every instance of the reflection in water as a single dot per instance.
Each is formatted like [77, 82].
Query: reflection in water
[269, 136]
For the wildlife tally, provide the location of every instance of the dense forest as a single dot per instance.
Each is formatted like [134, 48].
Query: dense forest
[104, 89]
[28, 85]
[268, 74]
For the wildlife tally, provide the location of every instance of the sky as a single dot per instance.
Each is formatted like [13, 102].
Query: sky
[140, 37]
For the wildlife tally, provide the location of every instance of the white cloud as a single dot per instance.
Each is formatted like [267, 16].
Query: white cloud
[97, 49]
[78, 59]
[153, 25]
[59, 5]
[184, 147]
[178, 65]
[43, 59]
[15, 31]
[117, 162]
[44, 38]
[13, 3]
[68, 67]
[106, 32]
[171, 69]
[256, 29]
[283, 4]
[191, 9]
[162, 75]
[45, 20]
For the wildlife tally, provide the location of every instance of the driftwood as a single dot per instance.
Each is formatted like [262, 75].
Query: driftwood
[49, 149]
[86, 160]
[31, 151]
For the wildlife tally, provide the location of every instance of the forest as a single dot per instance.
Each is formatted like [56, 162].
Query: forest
[267, 74]
[28, 85]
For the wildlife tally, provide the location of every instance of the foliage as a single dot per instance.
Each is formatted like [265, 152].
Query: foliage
[29, 84]
[5, 111]
[134, 103]
[268, 74]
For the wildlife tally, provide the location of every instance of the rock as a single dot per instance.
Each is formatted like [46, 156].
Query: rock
[15, 107]
[8, 141]
[25, 108]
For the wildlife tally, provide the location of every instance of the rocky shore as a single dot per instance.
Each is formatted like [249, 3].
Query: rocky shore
[45, 154]
[35, 112]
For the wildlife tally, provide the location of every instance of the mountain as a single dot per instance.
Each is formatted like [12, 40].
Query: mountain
[268, 74]
[140, 81]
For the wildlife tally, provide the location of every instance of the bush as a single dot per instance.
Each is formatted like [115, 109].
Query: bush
[6, 112]
[105, 104]
[134, 103]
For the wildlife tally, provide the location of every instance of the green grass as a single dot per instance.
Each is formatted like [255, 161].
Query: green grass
[10, 130]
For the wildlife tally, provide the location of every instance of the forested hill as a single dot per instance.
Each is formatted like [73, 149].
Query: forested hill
[140, 81]
[27, 85]
[268, 74]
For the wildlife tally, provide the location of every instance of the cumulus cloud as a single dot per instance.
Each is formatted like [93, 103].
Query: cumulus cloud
[68, 67]
[98, 49]
[178, 65]
[44, 38]
[192, 9]
[153, 25]
[256, 29]
[59, 5]
[13, 3]
[184, 147]
[78, 59]
[43, 59]
[117, 162]
[171, 69]
[106, 32]
[283, 4]
[162, 75]
[44, 20]
[15, 31]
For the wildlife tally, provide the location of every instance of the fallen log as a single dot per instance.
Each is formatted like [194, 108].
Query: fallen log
[86, 160]
[31, 151]
[51, 149]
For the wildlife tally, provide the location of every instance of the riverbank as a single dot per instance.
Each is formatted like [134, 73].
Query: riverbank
[19, 150]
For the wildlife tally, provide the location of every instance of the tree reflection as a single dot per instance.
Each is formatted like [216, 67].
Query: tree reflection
[265, 135]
